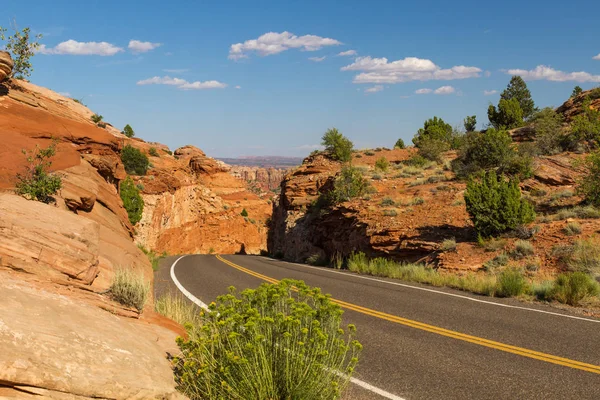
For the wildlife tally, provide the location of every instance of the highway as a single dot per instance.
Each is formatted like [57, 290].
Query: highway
[422, 342]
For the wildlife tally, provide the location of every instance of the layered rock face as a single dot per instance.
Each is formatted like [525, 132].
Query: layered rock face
[266, 179]
[6, 65]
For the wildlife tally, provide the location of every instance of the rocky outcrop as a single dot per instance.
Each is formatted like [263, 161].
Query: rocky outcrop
[6, 65]
[266, 179]
[574, 106]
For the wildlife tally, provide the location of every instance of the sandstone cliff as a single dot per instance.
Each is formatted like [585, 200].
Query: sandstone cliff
[264, 179]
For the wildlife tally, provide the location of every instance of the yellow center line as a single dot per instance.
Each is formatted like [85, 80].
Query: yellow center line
[442, 331]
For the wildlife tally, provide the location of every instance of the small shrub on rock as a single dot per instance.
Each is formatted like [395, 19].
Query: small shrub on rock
[96, 118]
[134, 161]
[129, 289]
[153, 152]
[244, 213]
[132, 200]
[349, 184]
[448, 245]
[269, 343]
[589, 186]
[36, 183]
[337, 145]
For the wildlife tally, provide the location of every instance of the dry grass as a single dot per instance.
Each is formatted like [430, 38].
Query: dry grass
[177, 308]
[130, 289]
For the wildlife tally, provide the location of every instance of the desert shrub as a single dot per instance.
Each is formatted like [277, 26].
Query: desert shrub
[448, 245]
[470, 123]
[317, 260]
[542, 290]
[583, 212]
[399, 144]
[572, 228]
[134, 161]
[483, 151]
[376, 177]
[350, 183]
[153, 152]
[128, 131]
[508, 115]
[390, 213]
[511, 283]
[417, 201]
[387, 201]
[129, 289]
[523, 248]
[357, 261]
[561, 194]
[382, 164]
[589, 186]
[548, 125]
[572, 288]
[369, 153]
[434, 129]
[178, 308]
[244, 213]
[22, 48]
[417, 161]
[132, 200]
[36, 183]
[499, 261]
[337, 145]
[517, 89]
[582, 256]
[586, 126]
[269, 343]
[96, 118]
[495, 205]
[432, 149]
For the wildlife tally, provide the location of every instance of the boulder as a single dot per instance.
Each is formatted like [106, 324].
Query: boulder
[206, 165]
[6, 65]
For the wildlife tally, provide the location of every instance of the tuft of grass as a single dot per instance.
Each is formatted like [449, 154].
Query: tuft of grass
[511, 283]
[129, 289]
[153, 257]
[572, 228]
[542, 290]
[178, 308]
[573, 288]
[523, 248]
[388, 201]
[417, 201]
[316, 260]
[582, 256]
[448, 245]
[499, 261]
[418, 182]
[382, 164]
[413, 170]
[376, 177]
[390, 213]
[583, 212]
[563, 194]
[494, 244]
[153, 152]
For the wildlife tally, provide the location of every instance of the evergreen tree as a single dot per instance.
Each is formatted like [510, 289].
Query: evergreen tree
[576, 91]
[434, 129]
[337, 145]
[508, 115]
[470, 123]
[132, 200]
[128, 131]
[517, 89]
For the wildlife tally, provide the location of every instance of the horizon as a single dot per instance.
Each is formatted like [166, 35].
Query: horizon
[272, 79]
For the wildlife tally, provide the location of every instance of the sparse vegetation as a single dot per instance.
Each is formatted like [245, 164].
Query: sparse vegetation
[523, 248]
[511, 283]
[548, 131]
[499, 261]
[583, 212]
[349, 184]
[128, 131]
[134, 161]
[21, 47]
[382, 164]
[153, 257]
[337, 145]
[582, 256]
[417, 201]
[573, 288]
[387, 202]
[572, 228]
[270, 342]
[495, 205]
[589, 186]
[130, 289]
[317, 260]
[399, 144]
[390, 213]
[180, 310]
[37, 183]
[132, 200]
[448, 245]
[96, 118]
[153, 152]
[244, 213]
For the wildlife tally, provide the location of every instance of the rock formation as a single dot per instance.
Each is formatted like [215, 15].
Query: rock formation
[6, 65]
[266, 179]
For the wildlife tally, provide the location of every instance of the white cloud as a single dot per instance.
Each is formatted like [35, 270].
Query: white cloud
[72, 47]
[238, 87]
[347, 53]
[317, 59]
[176, 71]
[489, 92]
[423, 91]
[66, 94]
[444, 90]
[374, 89]
[141, 47]
[182, 83]
[543, 72]
[379, 70]
[596, 57]
[273, 43]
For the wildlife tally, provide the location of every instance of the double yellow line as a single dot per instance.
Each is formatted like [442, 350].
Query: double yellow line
[441, 331]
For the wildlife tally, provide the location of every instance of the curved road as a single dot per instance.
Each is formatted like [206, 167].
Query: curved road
[428, 343]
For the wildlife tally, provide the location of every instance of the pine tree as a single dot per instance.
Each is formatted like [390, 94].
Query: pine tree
[576, 91]
[508, 115]
[517, 89]
[470, 123]
[128, 131]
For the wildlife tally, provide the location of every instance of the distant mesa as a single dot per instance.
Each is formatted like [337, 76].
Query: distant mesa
[6, 65]
[264, 161]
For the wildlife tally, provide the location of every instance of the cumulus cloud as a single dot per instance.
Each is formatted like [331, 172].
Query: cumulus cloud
[182, 83]
[238, 87]
[73, 47]
[141, 47]
[489, 92]
[374, 89]
[379, 70]
[273, 43]
[543, 72]
[444, 90]
[347, 53]
[317, 59]
[423, 91]
[596, 57]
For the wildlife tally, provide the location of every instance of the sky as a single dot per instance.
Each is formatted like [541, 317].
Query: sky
[240, 78]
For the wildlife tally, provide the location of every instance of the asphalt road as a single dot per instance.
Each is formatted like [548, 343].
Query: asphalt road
[428, 343]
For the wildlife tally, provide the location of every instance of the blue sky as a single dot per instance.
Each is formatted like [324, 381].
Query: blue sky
[265, 96]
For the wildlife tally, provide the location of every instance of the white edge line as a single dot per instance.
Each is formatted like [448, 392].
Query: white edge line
[199, 302]
[183, 290]
[438, 291]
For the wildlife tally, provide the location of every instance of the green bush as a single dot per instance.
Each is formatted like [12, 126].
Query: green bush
[268, 343]
[417, 201]
[586, 126]
[350, 183]
[128, 131]
[523, 249]
[582, 256]
[388, 201]
[548, 131]
[495, 205]
[337, 145]
[517, 89]
[399, 144]
[577, 90]
[589, 185]
[382, 164]
[572, 288]
[417, 161]
[21, 48]
[132, 200]
[244, 213]
[470, 123]
[432, 149]
[369, 153]
[448, 245]
[511, 283]
[36, 183]
[434, 129]
[134, 161]
[499, 261]
[96, 118]
[153, 152]
[129, 289]
[508, 115]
